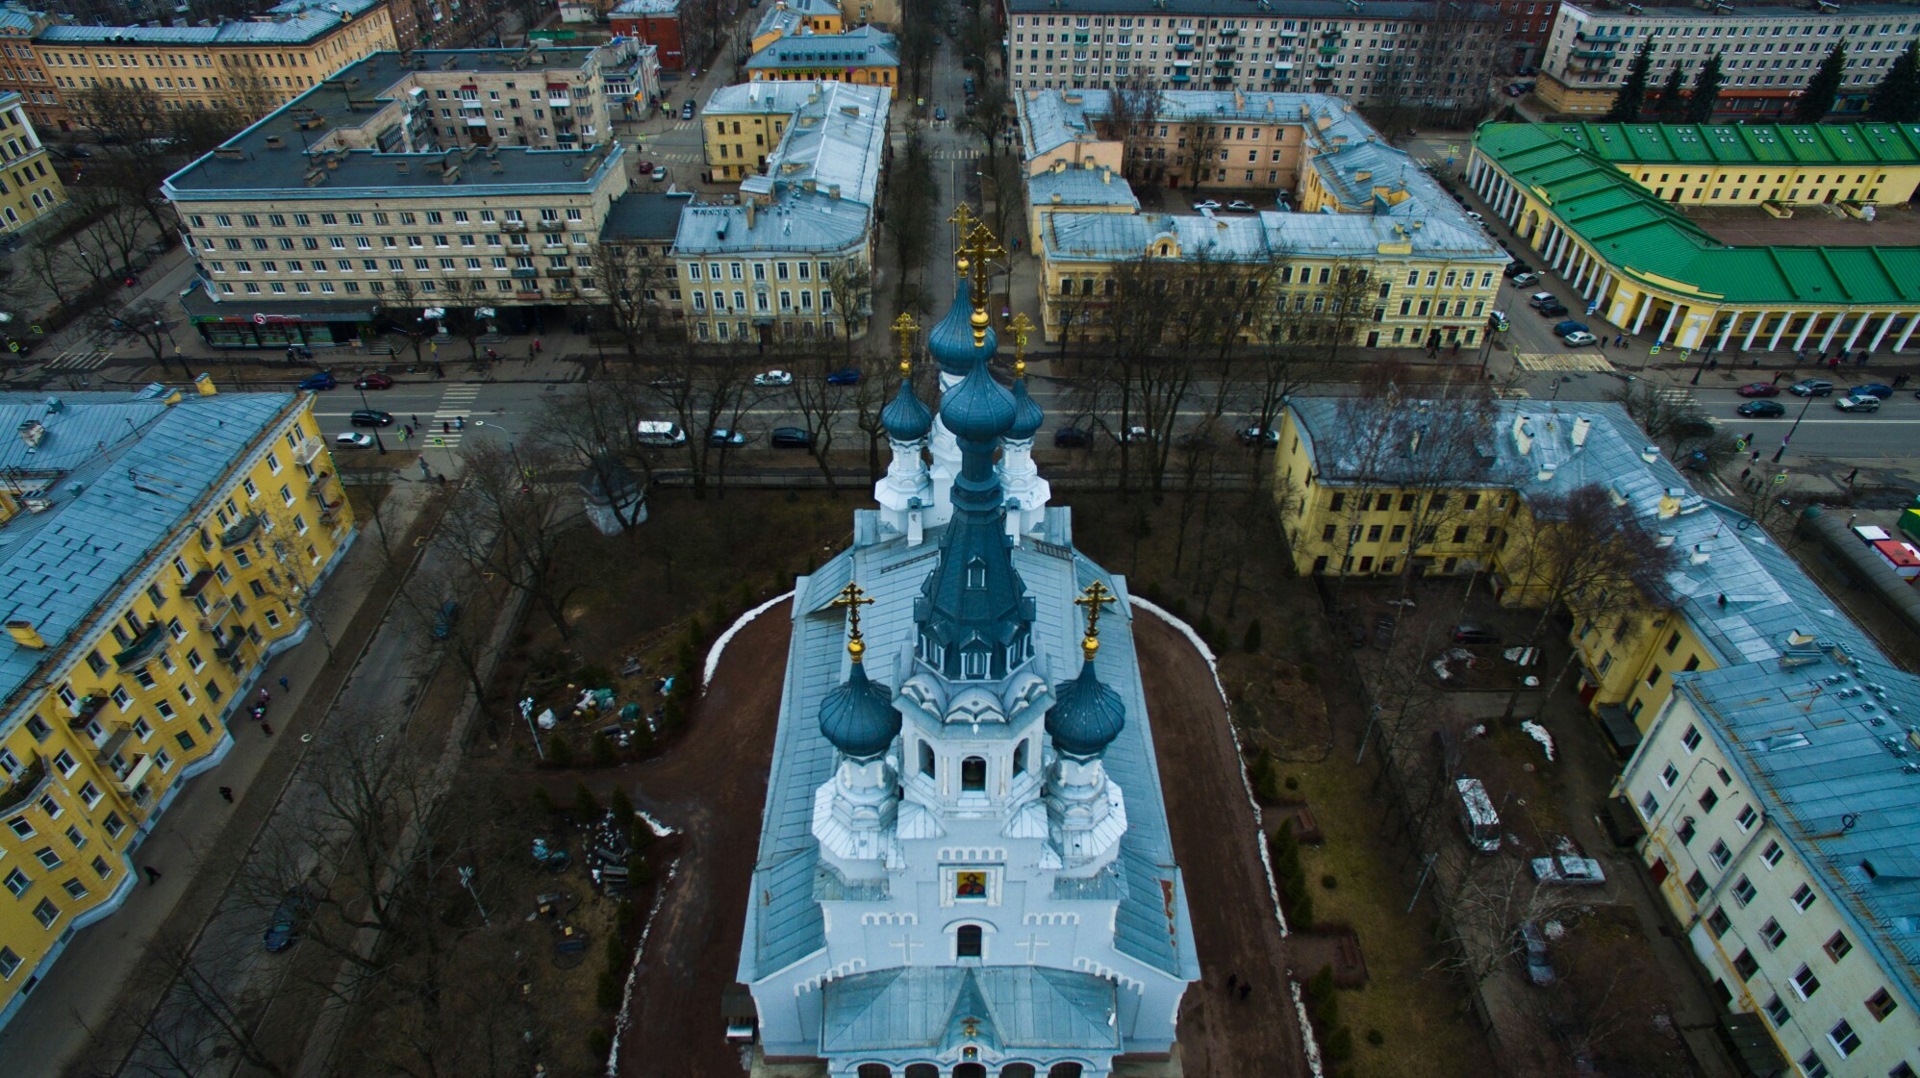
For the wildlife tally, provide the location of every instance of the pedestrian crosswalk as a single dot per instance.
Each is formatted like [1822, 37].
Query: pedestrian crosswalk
[1680, 397]
[443, 428]
[78, 359]
[1561, 361]
[954, 155]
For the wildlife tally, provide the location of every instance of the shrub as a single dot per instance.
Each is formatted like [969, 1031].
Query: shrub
[604, 754]
[1329, 881]
[543, 801]
[586, 807]
[1251, 641]
[559, 750]
[1376, 1038]
[626, 920]
[639, 870]
[600, 1042]
[1339, 1045]
[1206, 627]
[1178, 607]
[1310, 673]
[608, 990]
[1319, 995]
[1293, 782]
[621, 806]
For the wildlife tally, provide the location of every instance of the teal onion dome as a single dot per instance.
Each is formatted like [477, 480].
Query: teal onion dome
[905, 417]
[950, 341]
[979, 409]
[1086, 715]
[858, 716]
[1027, 415]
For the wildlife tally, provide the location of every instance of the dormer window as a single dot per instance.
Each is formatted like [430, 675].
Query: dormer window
[974, 661]
[976, 573]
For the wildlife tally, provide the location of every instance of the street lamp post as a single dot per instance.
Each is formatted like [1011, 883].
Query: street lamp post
[1782, 451]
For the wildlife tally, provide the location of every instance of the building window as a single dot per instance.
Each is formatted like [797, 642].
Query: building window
[1745, 964]
[1811, 1066]
[1720, 853]
[1691, 739]
[1804, 897]
[1708, 800]
[926, 759]
[1718, 923]
[1881, 1004]
[1777, 1011]
[1687, 830]
[1838, 945]
[1747, 818]
[9, 962]
[46, 913]
[1805, 983]
[18, 882]
[1743, 891]
[1020, 758]
[1669, 775]
[1844, 1040]
[967, 942]
[1696, 885]
[1772, 934]
[973, 775]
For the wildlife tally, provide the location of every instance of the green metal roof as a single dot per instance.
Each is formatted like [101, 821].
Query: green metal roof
[1650, 240]
[1745, 144]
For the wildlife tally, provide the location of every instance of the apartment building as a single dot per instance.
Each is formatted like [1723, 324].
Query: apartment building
[1767, 51]
[792, 257]
[157, 550]
[1368, 215]
[467, 179]
[21, 71]
[1524, 29]
[654, 22]
[790, 18]
[864, 56]
[1780, 800]
[254, 65]
[1373, 53]
[29, 185]
[1597, 202]
[740, 125]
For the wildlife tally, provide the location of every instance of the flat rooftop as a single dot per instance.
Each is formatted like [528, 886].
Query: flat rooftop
[1810, 226]
[295, 22]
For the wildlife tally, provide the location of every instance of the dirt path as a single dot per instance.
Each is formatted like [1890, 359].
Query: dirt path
[712, 787]
[1213, 829]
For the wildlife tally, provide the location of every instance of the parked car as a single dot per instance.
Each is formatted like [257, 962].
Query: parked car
[939, 113]
[659, 173]
[1498, 320]
[1533, 954]
[1855, 402]
[1133, 433]
[773, 378]
[642, 168]
[1762, 409]
[292, 912]
[1811, 387]
[322, 380]
[1515, 269]
[686, 110]
[1475, 634]
[1570, 326]
[444, 618]
[1206, 204]
[1539, 298]
[1260, 437]
[1759, 389]
[1525, 278]
[370, 417]
[726, 438]
[1579, 337]
[1874, 389]
[1194, 440]
[791, 438]
[1475, 215]
[845, 376]
[1240, 206]
[353, 439]
[375, 380]
[1071, 438]
[1568, 869]
[1552, 308]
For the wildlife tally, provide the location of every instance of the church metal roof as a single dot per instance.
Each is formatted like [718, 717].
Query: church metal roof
[784, 921]
[933, 1007]
[864, 47]
[1744, 144]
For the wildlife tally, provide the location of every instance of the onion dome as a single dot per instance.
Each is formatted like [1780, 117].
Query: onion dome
[1027, 415]
[1086, 714]
[858, 716]
[979, 409]
[950, 341]
[905, 417]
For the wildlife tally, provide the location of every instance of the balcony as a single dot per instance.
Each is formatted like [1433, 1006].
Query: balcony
[530, 294]
[470, 105]
[1326, 65]
[1181, 77]
[84, 712]
[210, 618]
[228, 648]
[477, 121]
[560, 102]
[196, 584]
[1080, 37]
[520, 247]
[513, 226]
[1183, 47]
[240, 530]
[1229, 31]
[525, 272]
[135, 773]
[1223, 62]
[25, 786]
[307, 450]
[103, 756]
[560, 271]
[142, 648]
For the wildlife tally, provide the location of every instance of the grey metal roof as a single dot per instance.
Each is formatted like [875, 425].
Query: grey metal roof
[14, 20]
[784, 922]
[1080, 187]
[647, 216]
[1770, 12]
[647, 7]
[296, 22]
[866, 46]
[926, 1007]
[1827, 744]
[255, 167]
[771, 98]
[1372, 10]
[120, 477]
[1125, 236]
[810, 222]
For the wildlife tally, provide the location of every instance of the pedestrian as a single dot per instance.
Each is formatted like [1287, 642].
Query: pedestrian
[226, 794]
[1755, 459]
[1863, 357]
[1603, 344]
[153, 875]
[536, 346]
[1744, 472]
[1245, 991]
[1851, 476]
[1776, 378]
[265, 696]
[283, 685]
[266, 729]
[1233, 981]
[416, 419]
[1833, 364]
[530, 353]
[446, 427]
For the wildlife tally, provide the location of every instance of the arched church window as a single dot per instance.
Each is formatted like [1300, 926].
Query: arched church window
[969, 1070]
[1020, 758]
[874, 1070]
[974, 661]
[1064, 1070]
[922, 1070]
[1017, 1070]
[926, 759]
[966, 942]
[973, 774]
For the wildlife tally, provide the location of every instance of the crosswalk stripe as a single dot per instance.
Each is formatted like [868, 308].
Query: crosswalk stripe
[79, 360]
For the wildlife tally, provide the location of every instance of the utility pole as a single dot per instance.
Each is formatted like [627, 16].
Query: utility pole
[466, 881]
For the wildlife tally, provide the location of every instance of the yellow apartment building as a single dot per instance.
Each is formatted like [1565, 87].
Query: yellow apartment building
[158, 550]
[29, 185]
[791, 18]
[865, 56]
[253, 65]
[741, 124]
[21, 71]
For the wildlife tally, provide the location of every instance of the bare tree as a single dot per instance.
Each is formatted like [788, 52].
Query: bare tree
[145, 321]
[1491, 897]
[1133, 117]
[629, 277]
[509, 520]
[192, 1003]
[58, 270]
[820, 403]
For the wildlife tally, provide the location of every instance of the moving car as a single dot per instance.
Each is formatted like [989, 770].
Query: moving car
[1857, 402]
[1240, 206]
[1475, 634]
[1260, 438]
[375, 380]
[845, 376]
[370, 417]
[659, 173]
[659, 433]
[1524, 278]
[322, 380]
[1762, 409]
[1134, 433]
[284, 930]
[353, 439]
[1579, 337]
[444, 618]
[1759, 389]
[1071, 438]
[791, 438]
[1206, 204]
[686, 111]
[1811, 387]
[726, 438]
[939, 112]
[1874, 389]
[773, 378]
[1570, 326]
[1568, 869]
[1498, 320]
[1533, 954]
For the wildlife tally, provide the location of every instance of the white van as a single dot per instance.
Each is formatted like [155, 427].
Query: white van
[1477, 816]
[659, 432]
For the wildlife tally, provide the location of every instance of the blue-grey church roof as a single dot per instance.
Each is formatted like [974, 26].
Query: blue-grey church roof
[930, 1007]
[950, 341]
[1027, 414]
[858, 716]
[1086, 714]
[906, 418]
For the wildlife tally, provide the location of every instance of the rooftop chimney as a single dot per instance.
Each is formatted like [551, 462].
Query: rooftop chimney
[24, 633]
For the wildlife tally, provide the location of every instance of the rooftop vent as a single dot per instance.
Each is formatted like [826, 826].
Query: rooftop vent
[31, 431]
[1650, 453]
[1581, 428]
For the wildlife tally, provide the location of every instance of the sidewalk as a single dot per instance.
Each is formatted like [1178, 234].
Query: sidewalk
[199, 843]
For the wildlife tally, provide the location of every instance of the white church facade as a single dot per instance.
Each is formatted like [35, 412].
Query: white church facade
[964, 868]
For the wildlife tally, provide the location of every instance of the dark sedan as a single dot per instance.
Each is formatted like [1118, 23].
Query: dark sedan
[370, 417]
[1763, 409]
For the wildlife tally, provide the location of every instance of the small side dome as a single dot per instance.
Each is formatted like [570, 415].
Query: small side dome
[1027, 416]
[906, 418]
[979, 409]
[858, 716]
[1086, 715]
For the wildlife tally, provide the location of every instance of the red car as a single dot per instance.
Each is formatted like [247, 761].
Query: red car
[1759, 389]
[374, 381]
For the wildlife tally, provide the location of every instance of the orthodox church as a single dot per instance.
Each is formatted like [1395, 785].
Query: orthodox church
[964, 866]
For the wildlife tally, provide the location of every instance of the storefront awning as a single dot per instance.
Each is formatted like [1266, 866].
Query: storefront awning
[268, 310]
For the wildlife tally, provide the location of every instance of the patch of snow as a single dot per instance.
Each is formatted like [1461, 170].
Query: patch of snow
[625, 1017]
[720, 645]
[659, 829]
[1260, 831]
[1539, 733]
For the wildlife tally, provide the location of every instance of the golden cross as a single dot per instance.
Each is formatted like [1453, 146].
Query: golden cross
[905, 327]
[1093, 598]
[853, 598]
[1021, 326]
